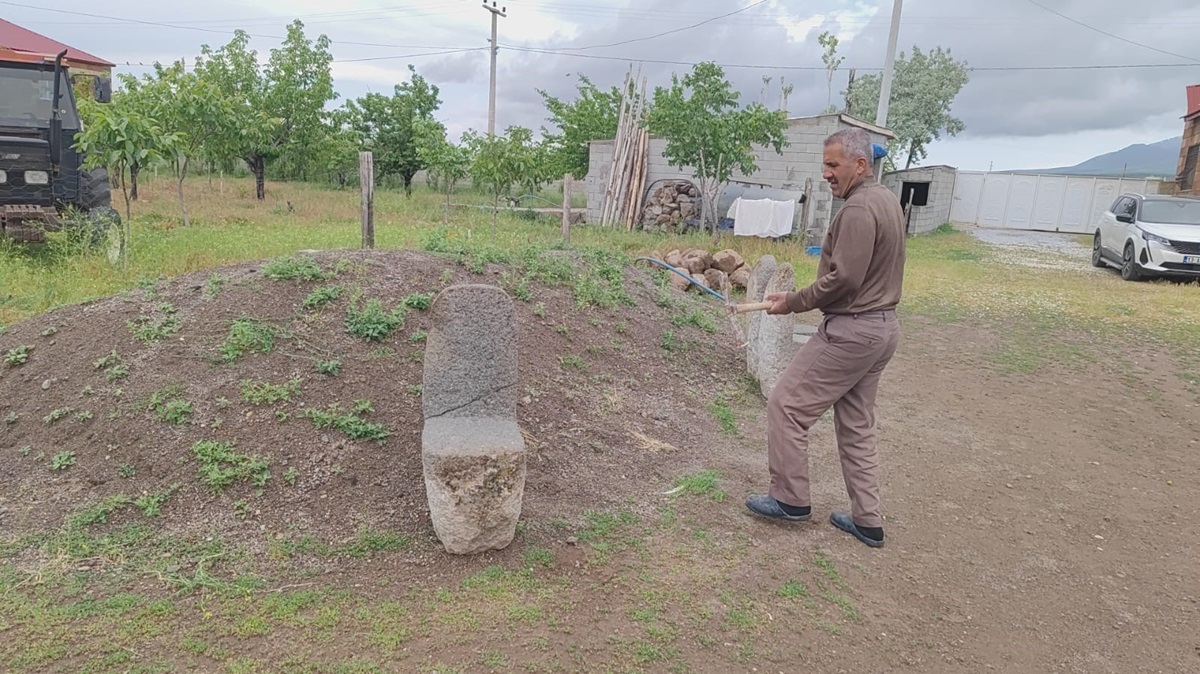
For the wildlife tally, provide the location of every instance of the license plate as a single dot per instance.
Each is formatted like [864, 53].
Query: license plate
[1191, 259]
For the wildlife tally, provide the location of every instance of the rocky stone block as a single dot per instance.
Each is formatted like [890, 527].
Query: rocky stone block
[717, 280]
[776, 343]
[727, 261]
[678, 282]
[756, 288]
[740, 278]
[474, 480]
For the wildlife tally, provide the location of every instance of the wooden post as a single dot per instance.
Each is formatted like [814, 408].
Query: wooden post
[366, 179]
[566, 209]
[805, 209]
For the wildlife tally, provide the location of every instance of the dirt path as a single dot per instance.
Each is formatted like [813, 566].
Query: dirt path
[1035, 523]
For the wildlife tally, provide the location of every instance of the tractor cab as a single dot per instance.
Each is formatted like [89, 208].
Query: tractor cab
[41, 174]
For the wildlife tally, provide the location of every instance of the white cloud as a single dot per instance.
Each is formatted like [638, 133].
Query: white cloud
[1015, 119]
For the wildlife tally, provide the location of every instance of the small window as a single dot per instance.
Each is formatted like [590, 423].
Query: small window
[916, 194]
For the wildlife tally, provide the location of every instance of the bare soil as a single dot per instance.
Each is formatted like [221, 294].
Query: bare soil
[1036, 521]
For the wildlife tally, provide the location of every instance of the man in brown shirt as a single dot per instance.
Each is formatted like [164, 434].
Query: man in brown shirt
[858, 286]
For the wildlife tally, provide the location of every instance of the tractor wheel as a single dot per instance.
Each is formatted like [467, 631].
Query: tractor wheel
[103, 221]
[96, 190]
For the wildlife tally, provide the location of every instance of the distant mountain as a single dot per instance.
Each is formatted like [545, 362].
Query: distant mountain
[1159, 159]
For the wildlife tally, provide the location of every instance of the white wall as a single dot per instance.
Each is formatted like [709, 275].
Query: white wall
[1049, 203]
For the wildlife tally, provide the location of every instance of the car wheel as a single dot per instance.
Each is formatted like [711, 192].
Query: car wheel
[1129, 270]
[1097, 256]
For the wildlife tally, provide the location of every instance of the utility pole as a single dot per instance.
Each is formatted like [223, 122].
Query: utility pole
[497, 13]
[885, 91]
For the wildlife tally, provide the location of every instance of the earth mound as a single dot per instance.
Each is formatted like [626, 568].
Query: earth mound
[278, 402]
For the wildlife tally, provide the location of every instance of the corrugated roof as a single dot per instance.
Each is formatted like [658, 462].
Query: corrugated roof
[1193, 101]
[17, 38]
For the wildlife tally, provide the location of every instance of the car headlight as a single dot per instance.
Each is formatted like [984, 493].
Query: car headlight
[3, 177]
[37, 178]
[1155, 238]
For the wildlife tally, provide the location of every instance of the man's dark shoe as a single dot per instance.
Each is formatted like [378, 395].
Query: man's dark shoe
[768, 507]
[842, 520]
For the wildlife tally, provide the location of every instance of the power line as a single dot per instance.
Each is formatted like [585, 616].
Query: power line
[213, 30]
[669, 32]
[759, 66]
[411, 56]
[1104, 32]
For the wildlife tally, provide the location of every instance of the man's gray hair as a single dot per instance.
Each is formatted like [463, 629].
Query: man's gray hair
[855, 143]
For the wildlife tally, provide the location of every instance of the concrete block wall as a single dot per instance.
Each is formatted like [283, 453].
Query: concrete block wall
[799, 160]
[941, 195]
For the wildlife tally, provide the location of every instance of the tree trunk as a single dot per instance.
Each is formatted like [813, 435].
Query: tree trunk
[495, 211]
[911, 150]
[125, 193]
[447, 207]
[134, 170]
[407, 184]
[125, 225]
[182, 173]
[710, 206]
[259, 169]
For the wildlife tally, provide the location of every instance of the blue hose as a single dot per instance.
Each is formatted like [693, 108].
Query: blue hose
[668, 267]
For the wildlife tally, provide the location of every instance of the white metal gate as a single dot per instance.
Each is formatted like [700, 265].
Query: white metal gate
[1050, 203]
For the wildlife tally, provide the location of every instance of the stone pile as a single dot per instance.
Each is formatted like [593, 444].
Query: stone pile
[670, 206]
[472, 450]
[719, 271]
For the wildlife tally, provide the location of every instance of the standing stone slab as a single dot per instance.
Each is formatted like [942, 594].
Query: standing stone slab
[756, 289]
[472, 450]
[776, 335]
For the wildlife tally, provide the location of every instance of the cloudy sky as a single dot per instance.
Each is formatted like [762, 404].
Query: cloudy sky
[1021, 111]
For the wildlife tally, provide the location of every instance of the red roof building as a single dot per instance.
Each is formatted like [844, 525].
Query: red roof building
[18, 39]
[1193, 102]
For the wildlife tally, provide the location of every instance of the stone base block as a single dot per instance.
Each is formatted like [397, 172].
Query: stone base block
[771, 371]
[475, 481]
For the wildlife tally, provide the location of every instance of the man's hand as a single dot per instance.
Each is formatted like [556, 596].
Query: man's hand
[781, 305]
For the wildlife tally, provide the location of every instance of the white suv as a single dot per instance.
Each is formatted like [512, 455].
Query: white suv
[1150, 236]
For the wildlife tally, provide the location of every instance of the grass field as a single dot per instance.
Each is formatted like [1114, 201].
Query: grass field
[949, 275]
[678, 583]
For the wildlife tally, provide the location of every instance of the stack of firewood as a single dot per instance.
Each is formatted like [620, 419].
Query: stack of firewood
[626, 186]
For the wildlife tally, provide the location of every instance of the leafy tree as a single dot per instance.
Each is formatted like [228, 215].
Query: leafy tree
[196, 111]
[832, 62]
[336, 153]
[446, 163]
[292, 91]
[699, 118]
[140, 97]
[594, 115]
[501, 162]
[118, 136]
[387, 125]
[924, 87]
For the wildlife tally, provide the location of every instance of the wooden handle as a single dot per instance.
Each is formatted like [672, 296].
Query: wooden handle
[756, 306]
